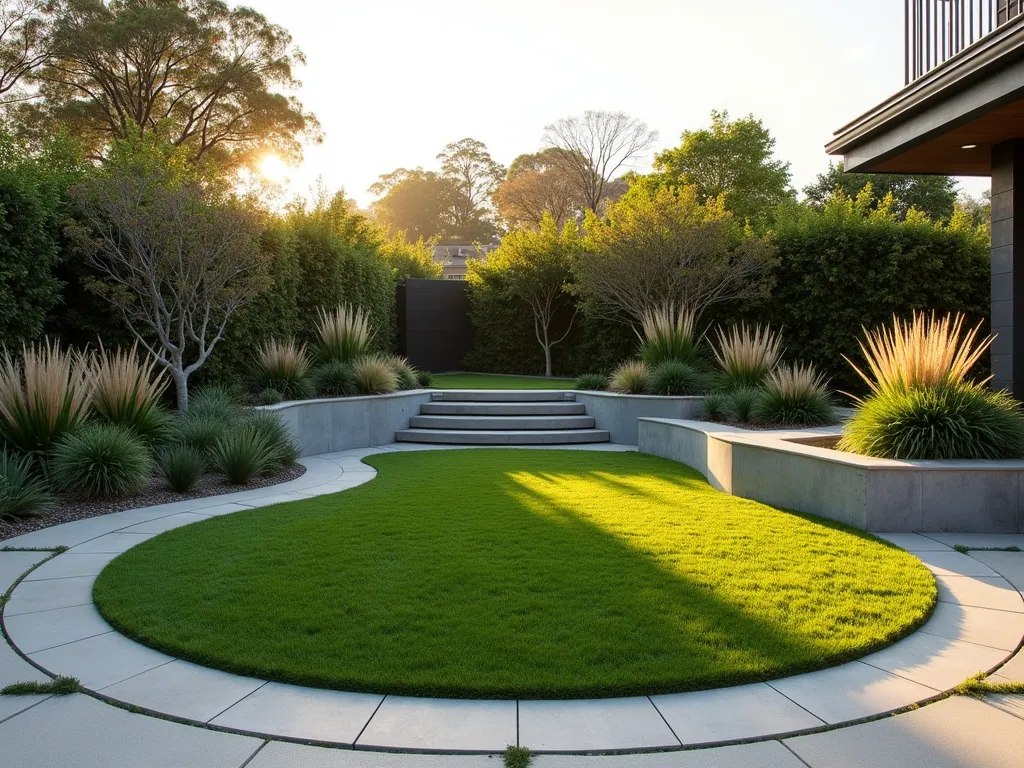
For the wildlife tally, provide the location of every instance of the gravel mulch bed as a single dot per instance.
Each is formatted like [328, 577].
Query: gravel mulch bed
[69, 509]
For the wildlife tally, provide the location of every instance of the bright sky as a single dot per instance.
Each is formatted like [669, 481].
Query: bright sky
[393, 81]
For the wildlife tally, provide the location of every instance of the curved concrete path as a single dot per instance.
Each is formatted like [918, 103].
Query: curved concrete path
[50, 619]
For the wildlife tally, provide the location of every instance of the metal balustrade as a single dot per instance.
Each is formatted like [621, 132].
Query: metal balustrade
[937, 30]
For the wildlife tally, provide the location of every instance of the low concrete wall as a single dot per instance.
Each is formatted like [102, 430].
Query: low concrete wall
[795, 470]
[338, 424]
[618, 413]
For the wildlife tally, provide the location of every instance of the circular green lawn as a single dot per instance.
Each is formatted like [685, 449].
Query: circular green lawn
[517, 573]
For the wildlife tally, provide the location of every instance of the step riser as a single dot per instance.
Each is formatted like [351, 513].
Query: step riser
[503, 396]
[438, 436]
[501, 422]
[503, 409]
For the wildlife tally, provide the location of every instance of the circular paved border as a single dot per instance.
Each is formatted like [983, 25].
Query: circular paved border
[977, 625]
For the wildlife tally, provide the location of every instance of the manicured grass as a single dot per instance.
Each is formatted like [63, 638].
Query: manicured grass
[486, 381]
[517, 573]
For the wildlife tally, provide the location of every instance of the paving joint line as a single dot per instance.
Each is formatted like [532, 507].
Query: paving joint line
[797, 703]
[253, 755]
[137, 674]
[250, 693]
[26, 709]
[46, 610]
[665, 721]
[69, 642]
[381, 704]
[793, 753]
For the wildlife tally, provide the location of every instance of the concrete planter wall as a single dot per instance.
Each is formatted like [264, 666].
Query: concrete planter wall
[619, 413]
[338, 424]
[800, 471]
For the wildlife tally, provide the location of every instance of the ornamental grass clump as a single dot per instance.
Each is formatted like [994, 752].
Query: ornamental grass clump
[592, 381]
[216, 403]
[43, 396]
[344, 334]
[794, 395]
[335, 379]
[425, 379]
[713, 407]
[22, 492]
[282, 364]
[102, 461]
[126, 391]
[675, 378]
[181, 466]
[243, 454]
[404, 372]
[745, 355]
[630, 378]
[669, 335]
[922, 403]
[269, 424]
[201, 431]
[740, 403]
[375, 375]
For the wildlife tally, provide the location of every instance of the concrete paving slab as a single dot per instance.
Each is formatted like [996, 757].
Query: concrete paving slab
[959, 732]
[111, 543]
[184, 690]
[70, 565]
[954, 564]
[32, 632]
[11, 706]
[914, 542]
[302, 713]
[222, 509]
[982, 592]
[980, 540]
[851, 691]
[85, 733]
[280, 754]
[14, 564]
[594, 725]
[101, 661]
[35, 596]
[14, 669]
[168, 523]
[938, 662]
[982, 626]
[766, 754]
[405, 722]
[1009, 565]
[1013, 704]
[1013, 669]
[741, 712]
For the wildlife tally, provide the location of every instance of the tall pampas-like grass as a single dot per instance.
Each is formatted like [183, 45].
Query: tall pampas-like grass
[747, 354]
[345, 334]
[43, 395]
[669, 335]
[127, 390]
[794, 395]
[283, 365]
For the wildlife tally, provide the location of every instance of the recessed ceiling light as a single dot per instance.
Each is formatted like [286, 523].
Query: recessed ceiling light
[969, 146]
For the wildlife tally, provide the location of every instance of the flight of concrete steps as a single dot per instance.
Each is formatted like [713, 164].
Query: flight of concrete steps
[502, 417]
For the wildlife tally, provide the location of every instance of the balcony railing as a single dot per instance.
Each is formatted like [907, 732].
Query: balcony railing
[937, 30]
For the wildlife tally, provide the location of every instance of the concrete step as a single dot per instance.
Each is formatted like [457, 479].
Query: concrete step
[503, 396]
[503, 409]
[502, 437]
[502, 423]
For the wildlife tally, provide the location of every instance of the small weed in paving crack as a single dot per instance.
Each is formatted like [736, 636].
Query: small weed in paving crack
[979, 685]
[59, 686]
[518, 757]
[965, 549]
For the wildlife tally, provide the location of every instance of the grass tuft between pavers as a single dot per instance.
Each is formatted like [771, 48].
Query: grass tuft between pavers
[517, 574]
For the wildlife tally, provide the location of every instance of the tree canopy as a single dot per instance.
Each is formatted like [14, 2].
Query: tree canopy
[536, 185]
[935, 196]
[733, 159]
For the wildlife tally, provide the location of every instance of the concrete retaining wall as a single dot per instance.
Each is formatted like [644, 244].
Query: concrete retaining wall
[794, 470]
[338, 424]
[618, 413]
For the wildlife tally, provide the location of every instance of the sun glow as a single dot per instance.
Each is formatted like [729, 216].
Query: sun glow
[273, 168]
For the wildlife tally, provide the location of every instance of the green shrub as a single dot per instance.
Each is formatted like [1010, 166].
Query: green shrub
[794, 395]
[242, 454]
[102, 461]
[952, 421]
[201, 432]
[518, 757]
[592, 381]
[676, 378]
[425, 379]
[629, 378]
[375, 375]
[335, 379]
[669, 336]
[181, 466]
[127, 391]
[269, 424]
[22, 493]
[269, 396]
[214, 402]
[739, 404]
[282, 364]
[715, 407]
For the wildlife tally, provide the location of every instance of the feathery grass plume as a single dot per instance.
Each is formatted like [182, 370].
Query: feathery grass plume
[404, 371]
[127, 391]
[794, 395]
[592, 381]
[345, 334]
[282, 364]
[43, 396]
[102, 461]
[629, 378]
[22, 492]
[746, 355]
[668, 335]
[925, 352]
[375, 375]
